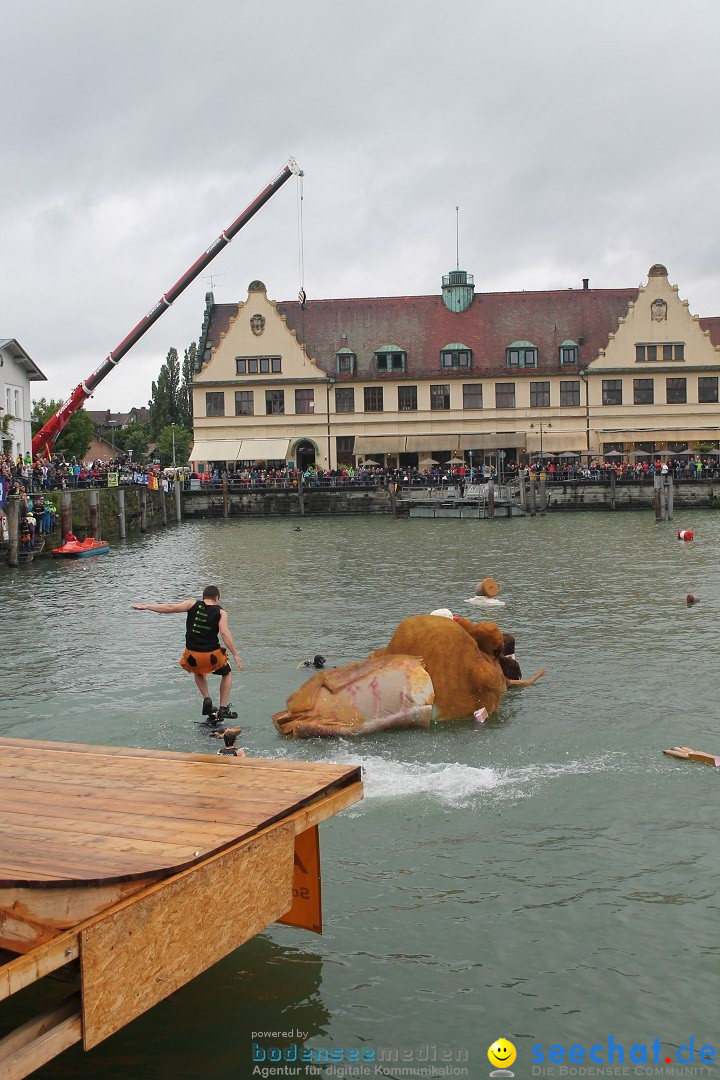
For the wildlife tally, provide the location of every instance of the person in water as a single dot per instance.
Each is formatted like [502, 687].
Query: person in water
[511, 668]
[206, 622]
[317, 661]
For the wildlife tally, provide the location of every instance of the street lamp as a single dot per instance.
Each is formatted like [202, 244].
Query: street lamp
[540, 425]
[173, 438]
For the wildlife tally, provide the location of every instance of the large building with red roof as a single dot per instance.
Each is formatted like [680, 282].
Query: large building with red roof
[406, 379]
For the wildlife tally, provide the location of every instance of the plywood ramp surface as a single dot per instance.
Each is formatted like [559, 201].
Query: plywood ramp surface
[80, 814]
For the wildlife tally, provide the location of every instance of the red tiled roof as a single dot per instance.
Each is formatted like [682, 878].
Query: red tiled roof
[422, 325]
[713, 325]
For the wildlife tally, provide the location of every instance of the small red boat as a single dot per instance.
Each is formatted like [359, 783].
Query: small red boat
[72, 548]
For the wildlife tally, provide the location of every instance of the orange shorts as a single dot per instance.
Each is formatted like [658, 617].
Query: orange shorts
[205, 663]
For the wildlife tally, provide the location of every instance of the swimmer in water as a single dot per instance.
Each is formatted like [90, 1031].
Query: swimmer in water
[317, 661]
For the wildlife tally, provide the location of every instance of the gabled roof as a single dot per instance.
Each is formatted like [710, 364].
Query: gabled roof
[421, 326]
[31, 369]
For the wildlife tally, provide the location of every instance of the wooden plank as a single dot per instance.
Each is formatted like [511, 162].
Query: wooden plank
[25, 970]
[22, 864]
[41, 1039]
[32, 748]
[155, 943]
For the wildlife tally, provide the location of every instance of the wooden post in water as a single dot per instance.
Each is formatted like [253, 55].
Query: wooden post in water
[122, 529]
[163, 503]
[523, 489]
[226, 510]
[663, 499]
[94, 512]
[613, 478]
[143, 509]
[13, 512]
[178, 502]
[391, 489]
[301, 493]
[670, 498]
[531, 492]
[66, 525]
[657, 498]
[491, 498]
[543, 491]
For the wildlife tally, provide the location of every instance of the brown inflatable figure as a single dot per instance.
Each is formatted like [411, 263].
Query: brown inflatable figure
[461, 658]
[369, 695]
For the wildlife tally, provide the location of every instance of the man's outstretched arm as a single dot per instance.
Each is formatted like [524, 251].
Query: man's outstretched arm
[165, 609]
[228, 639]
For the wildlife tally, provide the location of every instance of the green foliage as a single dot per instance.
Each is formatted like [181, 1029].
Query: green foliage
[165, 400]
[164, 445]
[75, 438]
[135, 438]
[185, 404]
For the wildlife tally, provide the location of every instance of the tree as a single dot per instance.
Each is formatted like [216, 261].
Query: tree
[135, 438]
[185, 409]
[164, 445]
[165, 395]
[75, 438]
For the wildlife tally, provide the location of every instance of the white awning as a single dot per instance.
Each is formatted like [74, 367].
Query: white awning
[263, 450]
[554, 442]
[495, 440]
[661, 435]
[215, 450]
[366, 445]
[420, 444]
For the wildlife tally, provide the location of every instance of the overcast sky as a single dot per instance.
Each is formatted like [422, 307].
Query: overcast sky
[579, 140]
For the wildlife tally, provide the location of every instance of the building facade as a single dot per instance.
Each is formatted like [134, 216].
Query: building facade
[17, 371]
[460, 375]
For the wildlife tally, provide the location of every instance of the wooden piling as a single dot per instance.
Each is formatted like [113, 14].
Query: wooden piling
[531, 492]
[543, 491]
[178, 502]
[66, 524]
[301, 493]
[523, 489]
[94, 512]
[670, 498]
[657, 498]
[663, 500]
[143, 509]
[122, 525]
[491, 498]
[613, 478]
[226, 501]
[163, 503]
[13, 513]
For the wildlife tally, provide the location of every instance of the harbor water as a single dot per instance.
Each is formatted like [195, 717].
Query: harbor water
[549, 877]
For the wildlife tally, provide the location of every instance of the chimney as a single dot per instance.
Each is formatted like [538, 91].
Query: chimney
[586, 283]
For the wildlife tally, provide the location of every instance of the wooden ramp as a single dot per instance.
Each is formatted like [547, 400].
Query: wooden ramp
[107, 855]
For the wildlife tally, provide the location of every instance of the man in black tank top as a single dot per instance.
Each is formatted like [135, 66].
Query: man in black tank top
[205, 624]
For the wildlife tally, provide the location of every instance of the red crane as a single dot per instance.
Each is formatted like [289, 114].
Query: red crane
[50, 431]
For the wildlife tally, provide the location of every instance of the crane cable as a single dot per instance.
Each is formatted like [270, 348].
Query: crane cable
[301, 243]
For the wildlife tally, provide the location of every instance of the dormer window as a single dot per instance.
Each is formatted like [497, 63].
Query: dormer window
[568, 353]
[455, 355]
[345, 362]
[390, 358]
[521, 354]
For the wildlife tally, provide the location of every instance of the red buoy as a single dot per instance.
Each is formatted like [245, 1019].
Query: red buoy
[685, 534]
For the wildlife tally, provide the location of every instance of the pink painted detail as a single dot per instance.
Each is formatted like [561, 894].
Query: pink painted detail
[717, 762]
[481, 715]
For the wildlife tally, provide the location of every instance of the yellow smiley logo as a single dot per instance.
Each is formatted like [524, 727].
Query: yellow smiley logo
[502, 1054]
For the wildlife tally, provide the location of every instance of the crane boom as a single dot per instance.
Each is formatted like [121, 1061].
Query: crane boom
[50, 431]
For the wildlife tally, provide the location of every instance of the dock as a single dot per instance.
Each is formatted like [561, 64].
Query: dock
[108, 854]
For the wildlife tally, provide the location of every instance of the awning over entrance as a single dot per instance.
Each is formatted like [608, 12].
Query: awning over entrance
[418, 444]
[215, 450]
[554, 442]
[379, 444]
[490, 440]
[708, 434]
[264, 450]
